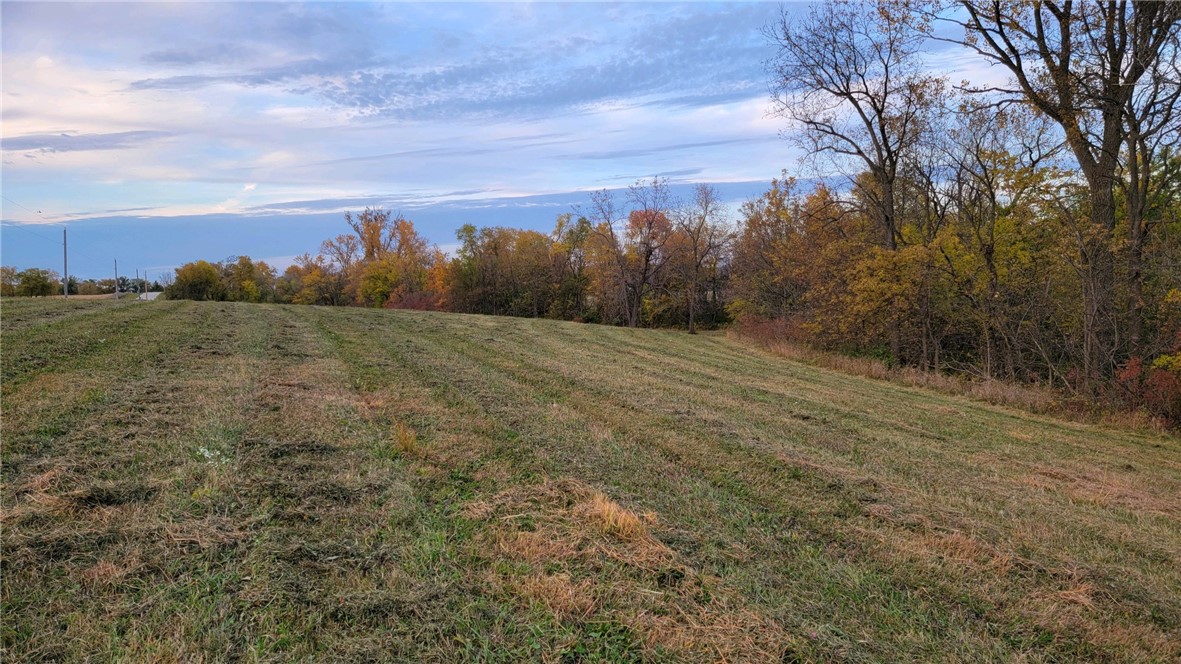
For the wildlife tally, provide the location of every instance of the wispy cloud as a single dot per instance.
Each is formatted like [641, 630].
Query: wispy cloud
[74, 142]
[242, 114]
[221, 53]
[657, 149]
[311, 69]
[496, 62]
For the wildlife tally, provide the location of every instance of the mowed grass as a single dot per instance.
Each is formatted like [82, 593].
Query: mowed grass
[204, 481]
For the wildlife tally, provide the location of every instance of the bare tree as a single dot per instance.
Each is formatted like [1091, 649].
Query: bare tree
[849, 75]
[344, 251]
[701, 224]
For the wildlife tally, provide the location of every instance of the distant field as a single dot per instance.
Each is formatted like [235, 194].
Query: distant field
[203, 481]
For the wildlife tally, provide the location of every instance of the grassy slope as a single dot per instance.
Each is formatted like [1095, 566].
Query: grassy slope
[266, 483]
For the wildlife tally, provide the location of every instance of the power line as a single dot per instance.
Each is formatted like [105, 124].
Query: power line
[26, 229]
[78, 253]
[26, 209]
[22, 228]
[37, 212]
[86, 256]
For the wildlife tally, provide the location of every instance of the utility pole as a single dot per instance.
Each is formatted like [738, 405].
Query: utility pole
[137, 278]
[65, 267]
[116, 279]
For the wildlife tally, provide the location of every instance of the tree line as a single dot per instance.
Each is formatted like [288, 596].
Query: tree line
[40, 282]
[1027, 230]
[645, 260]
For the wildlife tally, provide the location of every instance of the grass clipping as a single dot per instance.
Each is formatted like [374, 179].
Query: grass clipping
[613, 519]
[582, 556]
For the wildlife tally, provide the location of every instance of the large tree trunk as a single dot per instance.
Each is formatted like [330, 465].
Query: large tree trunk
[888, 220]
[1099, 316]
[1099, 329]
[991, 325]
[986, 343]
[634, 300]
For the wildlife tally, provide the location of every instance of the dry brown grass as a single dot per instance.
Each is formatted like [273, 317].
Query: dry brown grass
[1080, 594]
[405, 439]
[43, 481]
[612, 518]
[569, 506]
[1069, 600]
[103, 572]
[206, 533]
[1106, 489]
[110, 572]
[107, 296]
[717, 633]
[535, 547]
[671, 606]
[564, 598]
[1034, 399]
[46, 503]
[1038, 399]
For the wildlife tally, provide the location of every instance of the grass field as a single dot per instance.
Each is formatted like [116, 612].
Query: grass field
[204, 481]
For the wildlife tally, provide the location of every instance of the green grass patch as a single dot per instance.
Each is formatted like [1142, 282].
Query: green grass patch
[218, 481]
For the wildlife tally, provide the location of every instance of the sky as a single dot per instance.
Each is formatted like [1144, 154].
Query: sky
[160, 133]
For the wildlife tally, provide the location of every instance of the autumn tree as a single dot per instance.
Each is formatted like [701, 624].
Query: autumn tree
[1082, 64]
[245, 280]
[1151, 177]
[374, 229]
[648, 232]
[36, 282]
[568, 267]
[199, 280]
[464, 270]
[481, 270]
[1000, 244]
[631, 254]
[514, 272]
[104, 286]
[8, 281]
[312, 280]
[762, 283]
[607, 260]
[395, 261]
[288, 284]
[344, 253]
[532, 271]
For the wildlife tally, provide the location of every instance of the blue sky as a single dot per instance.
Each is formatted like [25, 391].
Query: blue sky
[163, 133]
